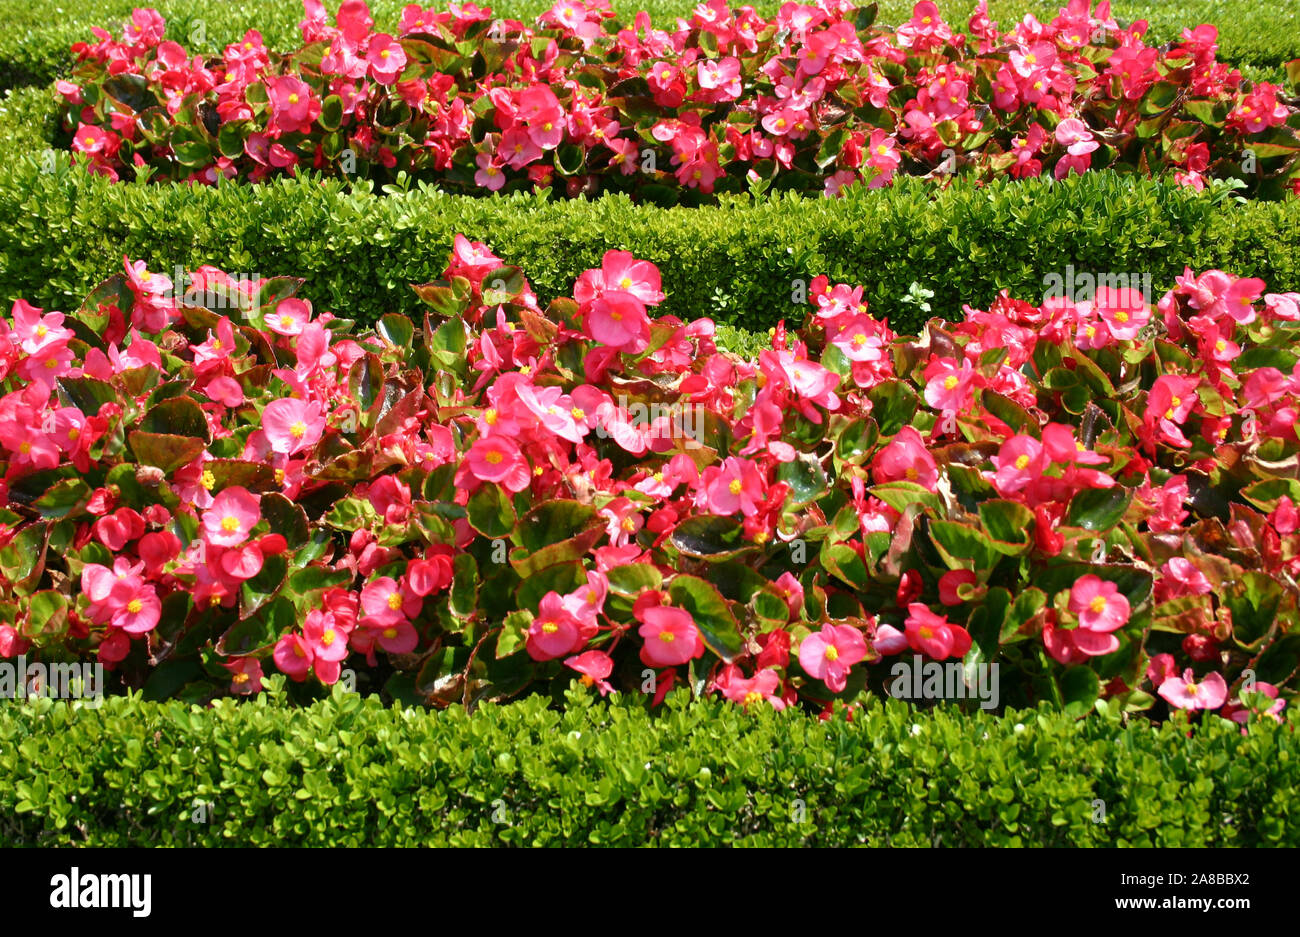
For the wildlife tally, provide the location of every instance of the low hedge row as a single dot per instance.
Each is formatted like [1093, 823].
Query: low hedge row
[63, 232]
[35, 46]
[347, 771]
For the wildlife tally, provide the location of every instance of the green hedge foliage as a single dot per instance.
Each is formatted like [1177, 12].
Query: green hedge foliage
[348, 772]
[63, 232]
[34, 48]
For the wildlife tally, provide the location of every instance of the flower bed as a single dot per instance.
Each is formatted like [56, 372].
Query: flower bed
[209, 479]
[729, 101]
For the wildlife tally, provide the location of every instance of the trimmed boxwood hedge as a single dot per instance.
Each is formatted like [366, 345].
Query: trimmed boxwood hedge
[34, 48]
[347, 771]
[63, 232]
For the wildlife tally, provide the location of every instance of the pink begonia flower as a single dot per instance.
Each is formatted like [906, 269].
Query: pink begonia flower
[670, 637]
[118, 529]
[293, 656]
[1179, 577]
[232, 516]
[497, 459]
[950, 386]
[396, 637]
[595, 667]
[906, 459]
[1020, 461]
[225, 391]
[36, 332]
[889, 640]
[1240, 298]
[792, 591]
[827, 655]
[934, 635]
[387, 602]
[391, 499]
[289, 317]
[489, 174]
[328, 640]
[245, 675]
[586, 602]
[145, 26]
[242, 563]
[386, 58]
[293, 425]
[1074, 135]
[736, 485]
[1185, 693]
[857, 340]
[429, 575]
[762, 687]
[555, 632]
[293, 106]
[1240, 709]
[621, 272]
[1124, 311]
[1101, 609]
[619, 320]
[1161, 668]
[138, 606]
[1169, 404]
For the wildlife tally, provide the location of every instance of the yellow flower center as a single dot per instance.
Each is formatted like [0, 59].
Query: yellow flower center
[832, 652]
[1121, 316]
[208, 480]
[298, 430]
[494, 457]
[735, 486]
[230, 524]
[1098, 605]
[550, 627]
[667, 637]
[394, 601]
[328, 637]
[950, 382]
[293, 98]
[135, 606]
[1022, 461]
[752, 697]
